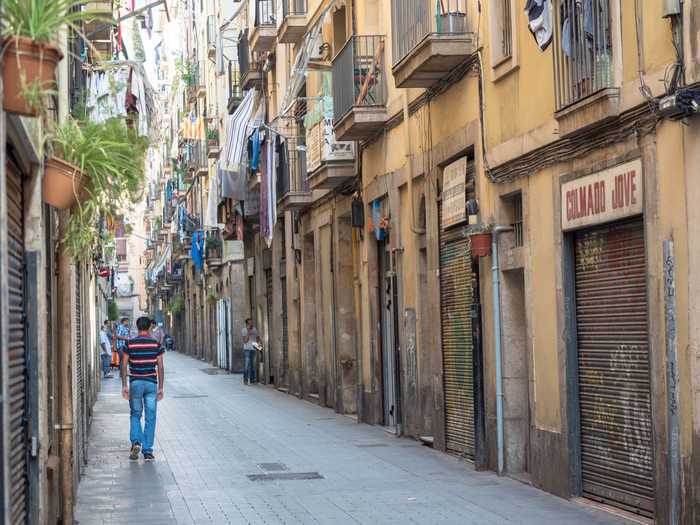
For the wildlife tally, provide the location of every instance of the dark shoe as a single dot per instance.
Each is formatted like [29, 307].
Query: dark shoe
[135, 450]
[149, 457]
[245, 381]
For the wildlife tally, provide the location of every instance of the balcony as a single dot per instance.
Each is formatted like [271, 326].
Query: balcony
[359, 88]
[250, 72]
[329, 163]
[235, 95]
[264, 31]
[213, 248]
[428, 44]
[195, 154]
[212, 139]
[293, 25]
[293, 190]
[211, 36]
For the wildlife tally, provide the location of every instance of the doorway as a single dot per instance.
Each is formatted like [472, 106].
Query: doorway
[388, 322]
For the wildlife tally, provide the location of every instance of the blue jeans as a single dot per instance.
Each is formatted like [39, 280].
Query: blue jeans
[106, 363]
[249, 366]
[143, 394]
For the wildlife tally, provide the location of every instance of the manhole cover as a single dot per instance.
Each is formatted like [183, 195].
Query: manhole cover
[271, 467]
[285, 476]
[213, 371]
[188, 396]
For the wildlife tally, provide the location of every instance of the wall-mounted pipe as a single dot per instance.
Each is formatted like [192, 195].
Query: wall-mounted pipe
[496, 282]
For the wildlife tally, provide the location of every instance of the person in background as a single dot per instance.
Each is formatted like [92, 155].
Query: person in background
[158, 333]
[106, 349]
[123, 335]
[251, 340]
[143, 364]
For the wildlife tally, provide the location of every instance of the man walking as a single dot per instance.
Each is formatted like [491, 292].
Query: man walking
[143, 359]
[123, 334]
[105, 349]
[251, 342]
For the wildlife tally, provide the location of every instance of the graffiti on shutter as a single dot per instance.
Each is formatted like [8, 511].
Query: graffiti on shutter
[613, 366]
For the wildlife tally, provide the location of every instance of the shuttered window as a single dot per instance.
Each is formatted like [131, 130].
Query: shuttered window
[17, 372]
[613, 367]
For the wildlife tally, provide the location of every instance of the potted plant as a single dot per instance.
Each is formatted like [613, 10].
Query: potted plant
[213, 246]
[101, 174]
[212, 138]
[480, 237]
[30, 28]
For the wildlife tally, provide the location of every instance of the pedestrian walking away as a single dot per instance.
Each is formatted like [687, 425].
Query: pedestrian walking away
[158, 332]
[106, 349]
[123, 335]
[143, 366]
[251, 343]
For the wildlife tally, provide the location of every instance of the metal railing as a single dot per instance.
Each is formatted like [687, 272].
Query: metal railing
[196, 154]
[413, 20]
[234, 80]
[264, 13]
[291, 169]
[582, 50]
[293, 7]
[211, 31]
[359, 77]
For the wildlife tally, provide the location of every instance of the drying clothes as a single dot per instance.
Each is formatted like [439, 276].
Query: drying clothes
[237, 133]
[539, 15]
[255, 140]
[197, 249]
[579, 26]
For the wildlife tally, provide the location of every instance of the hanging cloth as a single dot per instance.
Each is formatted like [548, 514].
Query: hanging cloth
[539, 15]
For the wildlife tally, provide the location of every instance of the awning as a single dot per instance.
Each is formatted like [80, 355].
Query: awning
[237, 132]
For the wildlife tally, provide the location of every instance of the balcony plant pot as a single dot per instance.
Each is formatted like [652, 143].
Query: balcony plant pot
[61, 184]
[27, 63]
[480, 243]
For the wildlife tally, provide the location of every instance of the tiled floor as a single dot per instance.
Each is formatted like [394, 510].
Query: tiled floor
[213, 433]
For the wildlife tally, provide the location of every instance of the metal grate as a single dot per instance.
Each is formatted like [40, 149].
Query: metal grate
[265, 13]
[517, 224]
[285, 476]
[272, 467]
[582, 50]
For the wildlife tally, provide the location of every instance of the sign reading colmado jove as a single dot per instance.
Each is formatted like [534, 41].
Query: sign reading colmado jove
[605, 196]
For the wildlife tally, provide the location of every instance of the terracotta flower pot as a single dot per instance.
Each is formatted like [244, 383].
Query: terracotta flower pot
[61, 183]
[26, 62]
[481, 244]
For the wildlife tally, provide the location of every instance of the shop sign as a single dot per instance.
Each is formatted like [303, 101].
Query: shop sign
[321, 145]
[609, 195]
[454, 200]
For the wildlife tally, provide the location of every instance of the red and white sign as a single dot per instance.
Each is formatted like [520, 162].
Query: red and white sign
[609, 195]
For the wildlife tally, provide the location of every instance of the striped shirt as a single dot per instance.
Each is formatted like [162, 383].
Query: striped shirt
[143, 357]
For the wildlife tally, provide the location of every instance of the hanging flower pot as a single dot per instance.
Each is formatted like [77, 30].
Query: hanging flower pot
[27, 64]
[61, 183]
[481, 244]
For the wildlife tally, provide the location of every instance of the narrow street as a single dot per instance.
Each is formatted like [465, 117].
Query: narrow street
[214, 434]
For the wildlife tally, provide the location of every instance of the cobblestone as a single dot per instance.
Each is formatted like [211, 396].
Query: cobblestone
[213, 432]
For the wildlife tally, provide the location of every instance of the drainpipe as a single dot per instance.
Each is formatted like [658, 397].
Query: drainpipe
[495, 279]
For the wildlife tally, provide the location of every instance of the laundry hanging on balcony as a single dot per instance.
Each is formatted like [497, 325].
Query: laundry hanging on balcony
[237, 133]
[233, 183]
[539, 15]
[120, 89]
[211, 218]
[268, 193]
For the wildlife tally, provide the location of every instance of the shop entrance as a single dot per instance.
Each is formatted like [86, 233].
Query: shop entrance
[613, 366]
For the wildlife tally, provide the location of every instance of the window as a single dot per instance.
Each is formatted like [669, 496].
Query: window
[505, 30]
[513, 207]
[583, 49]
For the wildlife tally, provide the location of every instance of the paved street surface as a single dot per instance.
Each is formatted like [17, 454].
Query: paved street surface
[214, 434]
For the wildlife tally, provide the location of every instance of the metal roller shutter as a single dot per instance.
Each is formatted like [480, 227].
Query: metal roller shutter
[613, 367]
[80, 366]
[17, 386]
[456, 299]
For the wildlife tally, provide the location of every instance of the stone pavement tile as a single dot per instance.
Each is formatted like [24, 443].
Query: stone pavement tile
[207, 446]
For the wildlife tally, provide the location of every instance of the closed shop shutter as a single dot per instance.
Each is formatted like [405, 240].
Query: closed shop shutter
[80, 364]
[613, 367]
[456, 299]
[17, 373]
